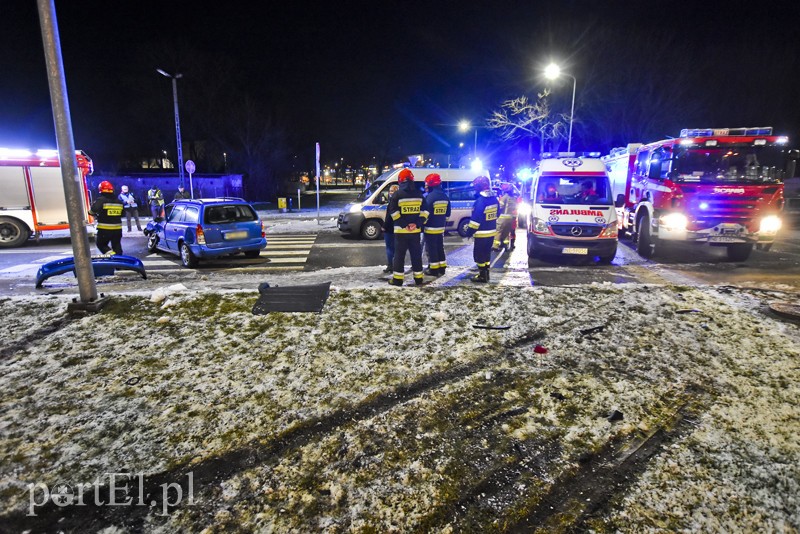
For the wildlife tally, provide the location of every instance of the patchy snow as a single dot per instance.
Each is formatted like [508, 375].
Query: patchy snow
[158, 385]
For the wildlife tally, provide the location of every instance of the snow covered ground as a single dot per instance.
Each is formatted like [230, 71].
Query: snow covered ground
[390, 410]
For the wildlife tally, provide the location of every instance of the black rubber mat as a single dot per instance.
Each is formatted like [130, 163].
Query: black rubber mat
[292, 298]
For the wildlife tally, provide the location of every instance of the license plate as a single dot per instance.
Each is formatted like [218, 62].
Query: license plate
[236, 235]
[569, 250]
[726, 239]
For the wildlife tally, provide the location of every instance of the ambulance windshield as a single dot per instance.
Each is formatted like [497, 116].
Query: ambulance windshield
[567, 189]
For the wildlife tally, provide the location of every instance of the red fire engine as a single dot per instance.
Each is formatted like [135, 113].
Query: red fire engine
[32, 199]
[723, 187]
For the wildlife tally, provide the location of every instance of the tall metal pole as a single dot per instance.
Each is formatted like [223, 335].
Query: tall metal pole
[177, 120]
[73, 189]
[571, 113]
[178, 126]
[475, 144]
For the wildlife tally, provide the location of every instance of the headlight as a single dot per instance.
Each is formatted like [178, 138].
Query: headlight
[355, 208]
[524, 209]
[674, 221]
[540, 226]
[770, 224]
[610, 230]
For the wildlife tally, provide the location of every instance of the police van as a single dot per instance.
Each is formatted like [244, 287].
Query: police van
[365, 216]
[572, 211]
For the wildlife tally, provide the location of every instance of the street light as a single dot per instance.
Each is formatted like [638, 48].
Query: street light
[464, 126]
[177, 118]
[553, 71]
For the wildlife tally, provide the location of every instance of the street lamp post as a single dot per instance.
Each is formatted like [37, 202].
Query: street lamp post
[177, 118]
[464, 126]
[552, 72]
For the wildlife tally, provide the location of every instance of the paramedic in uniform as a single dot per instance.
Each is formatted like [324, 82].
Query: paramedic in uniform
[405, 209]
[436, 209]
[107, 209]
[483, 226]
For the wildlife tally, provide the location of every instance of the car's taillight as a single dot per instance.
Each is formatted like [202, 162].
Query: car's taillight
[201, 236]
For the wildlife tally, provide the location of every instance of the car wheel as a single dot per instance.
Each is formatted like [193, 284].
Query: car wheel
[607, 258]
[252, 253]
[188, 259]
[13, 233]
[533, 253]
[371, 230]
[152, 243]
[644, 239]
[462, 227]
[740, 251]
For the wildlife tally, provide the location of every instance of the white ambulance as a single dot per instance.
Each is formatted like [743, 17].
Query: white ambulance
[572, 210]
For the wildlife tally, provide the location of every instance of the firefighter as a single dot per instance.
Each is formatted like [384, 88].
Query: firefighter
[437, 209]
[505, 220]
[405, 209]
[483, 226]
[156, 201]
[107, 209]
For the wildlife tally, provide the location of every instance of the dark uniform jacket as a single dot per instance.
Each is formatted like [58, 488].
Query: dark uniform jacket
[437, 209]
[405, 207]
[483, 222]
[108, 211]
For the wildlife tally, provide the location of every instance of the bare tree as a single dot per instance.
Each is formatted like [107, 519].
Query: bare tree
[521, 118]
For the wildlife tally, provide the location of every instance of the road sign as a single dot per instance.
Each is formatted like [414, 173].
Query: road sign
[190, 166]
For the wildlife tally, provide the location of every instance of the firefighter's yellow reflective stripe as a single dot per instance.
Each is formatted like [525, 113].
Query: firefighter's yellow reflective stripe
[410, 206]
[486, 264]
[418, 274]
[404, 231]
[490, 212]
[106, 226]
[397, 276]
[473, 224]
[486, 233]
[443, 264]
[505, 216]
[424, 213]
[440, 207]
[395, 215]
[429, 230]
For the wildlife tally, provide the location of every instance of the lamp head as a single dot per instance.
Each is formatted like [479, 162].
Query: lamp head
[464, 126]
[552, 71]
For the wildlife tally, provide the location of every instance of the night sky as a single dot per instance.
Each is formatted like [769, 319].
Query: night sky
[397, 77]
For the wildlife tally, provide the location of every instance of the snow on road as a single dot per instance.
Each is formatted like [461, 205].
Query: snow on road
[389, 411]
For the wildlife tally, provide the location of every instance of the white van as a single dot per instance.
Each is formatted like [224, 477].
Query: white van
[572, 212]
[365, 216]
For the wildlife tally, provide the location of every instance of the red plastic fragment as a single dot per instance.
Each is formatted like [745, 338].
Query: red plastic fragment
[538, 349]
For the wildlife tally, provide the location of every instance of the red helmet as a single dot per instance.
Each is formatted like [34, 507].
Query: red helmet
[405, 176]
[432, 180]
[106, 187]
[481, 183]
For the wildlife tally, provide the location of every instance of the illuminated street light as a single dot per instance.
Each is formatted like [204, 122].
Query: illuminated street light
[464, 126]
[177, 118]
[551, 72]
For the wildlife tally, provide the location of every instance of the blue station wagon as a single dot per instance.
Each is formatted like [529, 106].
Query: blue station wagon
[207, 228]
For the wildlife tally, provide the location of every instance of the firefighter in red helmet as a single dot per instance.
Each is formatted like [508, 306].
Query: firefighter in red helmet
[437, 209]
[483, 226]
[107, 209]
[405, 209]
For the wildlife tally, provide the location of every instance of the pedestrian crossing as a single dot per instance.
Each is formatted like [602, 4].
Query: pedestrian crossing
[284, 252]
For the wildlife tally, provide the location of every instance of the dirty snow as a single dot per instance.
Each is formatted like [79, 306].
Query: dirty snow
[160, 384]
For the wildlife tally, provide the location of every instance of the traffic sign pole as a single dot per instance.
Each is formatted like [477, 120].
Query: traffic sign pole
[190, 168]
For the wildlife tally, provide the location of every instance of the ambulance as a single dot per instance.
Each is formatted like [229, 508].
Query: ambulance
[572, 211]
[32, 199]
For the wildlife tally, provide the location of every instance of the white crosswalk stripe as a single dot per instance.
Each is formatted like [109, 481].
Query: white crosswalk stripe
[284, 252]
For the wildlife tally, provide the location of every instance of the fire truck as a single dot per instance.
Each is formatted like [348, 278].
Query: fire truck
[32, 199]
[723, 187]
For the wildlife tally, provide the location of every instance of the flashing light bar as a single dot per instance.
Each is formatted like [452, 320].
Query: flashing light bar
[550, 155]
[24, 153]
[709, 132]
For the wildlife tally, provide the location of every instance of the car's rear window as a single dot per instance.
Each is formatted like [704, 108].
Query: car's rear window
[228, 213]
